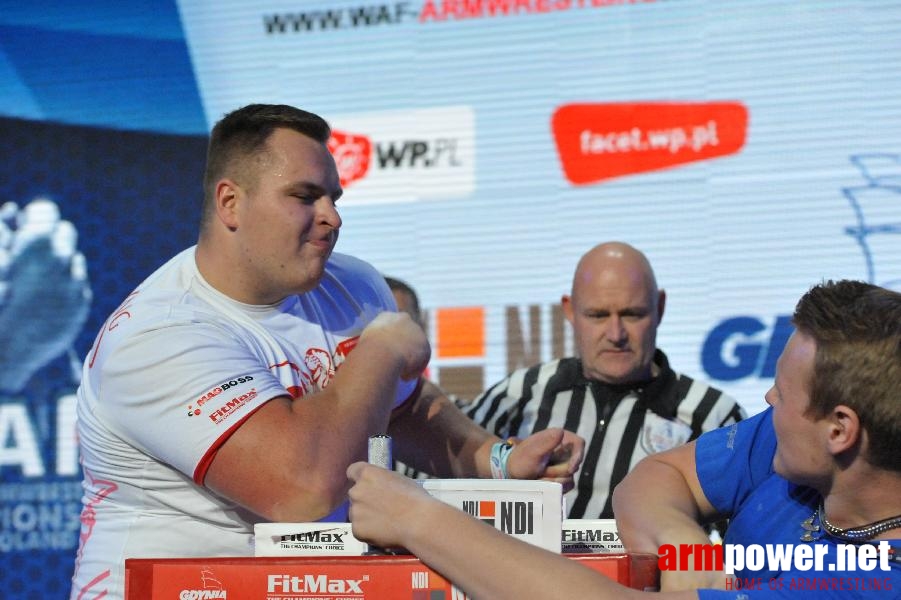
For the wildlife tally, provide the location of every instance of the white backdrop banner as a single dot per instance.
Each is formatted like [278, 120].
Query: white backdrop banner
[751, 149]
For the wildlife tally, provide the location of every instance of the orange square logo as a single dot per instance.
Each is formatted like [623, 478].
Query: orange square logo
[460, 332]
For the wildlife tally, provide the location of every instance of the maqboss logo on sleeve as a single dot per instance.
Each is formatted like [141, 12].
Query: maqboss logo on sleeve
[194, 409]
[838, 574]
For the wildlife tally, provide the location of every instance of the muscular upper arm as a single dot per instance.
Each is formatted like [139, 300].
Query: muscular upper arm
[276, 463]
[680, 463]
[287, 460]
[661, 501]
[193, 397]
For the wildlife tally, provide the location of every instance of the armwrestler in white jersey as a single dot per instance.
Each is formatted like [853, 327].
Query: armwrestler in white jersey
[238, 382]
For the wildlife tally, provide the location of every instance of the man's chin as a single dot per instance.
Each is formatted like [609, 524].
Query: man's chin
[779, 467]
[311, 280]
[309, 286]
[617, 373]
[615, 378]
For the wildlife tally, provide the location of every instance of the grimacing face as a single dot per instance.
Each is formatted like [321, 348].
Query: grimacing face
[615, 313]
[800, 437]
[288, 220]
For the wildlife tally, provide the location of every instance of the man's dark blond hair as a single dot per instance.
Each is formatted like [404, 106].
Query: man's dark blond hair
[857, 330]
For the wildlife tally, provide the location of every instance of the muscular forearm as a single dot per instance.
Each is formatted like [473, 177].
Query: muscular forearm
[661, 502]
[434, 436]
[490, 564]
[287, 461]
[355, 405]
[390, 510]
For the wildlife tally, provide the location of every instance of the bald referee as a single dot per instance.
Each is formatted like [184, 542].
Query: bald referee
[620, 393]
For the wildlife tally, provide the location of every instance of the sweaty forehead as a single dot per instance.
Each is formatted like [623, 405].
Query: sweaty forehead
[297, 159]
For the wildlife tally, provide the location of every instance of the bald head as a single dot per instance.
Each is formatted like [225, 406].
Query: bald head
[615, 309]
[618, 260]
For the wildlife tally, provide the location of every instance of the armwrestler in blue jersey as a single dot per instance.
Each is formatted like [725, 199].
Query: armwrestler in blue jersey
[819, 469]
[820, 466]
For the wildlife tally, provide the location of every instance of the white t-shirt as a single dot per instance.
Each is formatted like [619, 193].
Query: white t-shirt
[173, 372]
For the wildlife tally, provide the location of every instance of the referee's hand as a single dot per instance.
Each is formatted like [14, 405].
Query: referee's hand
[552, 455]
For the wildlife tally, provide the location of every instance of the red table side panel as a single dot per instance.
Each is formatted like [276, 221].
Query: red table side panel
[331, 578]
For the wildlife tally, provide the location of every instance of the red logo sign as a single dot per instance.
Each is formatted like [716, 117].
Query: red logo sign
[344, 349]
[352, 155]
[602, 141]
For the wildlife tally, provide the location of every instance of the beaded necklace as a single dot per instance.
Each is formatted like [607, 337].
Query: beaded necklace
[855, 535]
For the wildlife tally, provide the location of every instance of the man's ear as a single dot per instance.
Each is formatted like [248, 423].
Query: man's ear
[844, 429]
[661, 305]
[228, 194]
[566, 303]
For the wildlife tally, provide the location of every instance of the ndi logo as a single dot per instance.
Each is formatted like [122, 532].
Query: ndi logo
[516, 518]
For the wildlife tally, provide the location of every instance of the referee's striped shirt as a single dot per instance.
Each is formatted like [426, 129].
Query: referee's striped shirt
[620, 424]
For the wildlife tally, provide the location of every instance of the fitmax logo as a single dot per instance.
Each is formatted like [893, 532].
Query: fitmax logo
[589, 535]
[314, 584]
[314, 536]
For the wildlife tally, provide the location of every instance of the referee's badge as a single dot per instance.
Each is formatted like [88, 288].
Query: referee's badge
[661, 434]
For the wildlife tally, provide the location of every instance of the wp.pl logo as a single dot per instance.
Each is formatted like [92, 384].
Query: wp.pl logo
[405, 156]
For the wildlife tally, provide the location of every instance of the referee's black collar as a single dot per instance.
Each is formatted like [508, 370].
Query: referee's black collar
[650, 390]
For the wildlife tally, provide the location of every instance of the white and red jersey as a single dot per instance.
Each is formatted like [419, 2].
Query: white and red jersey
[173, 372]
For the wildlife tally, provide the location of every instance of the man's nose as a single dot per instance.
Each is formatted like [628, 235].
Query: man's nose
[328, 212]
[769, 395]
[615, 331]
